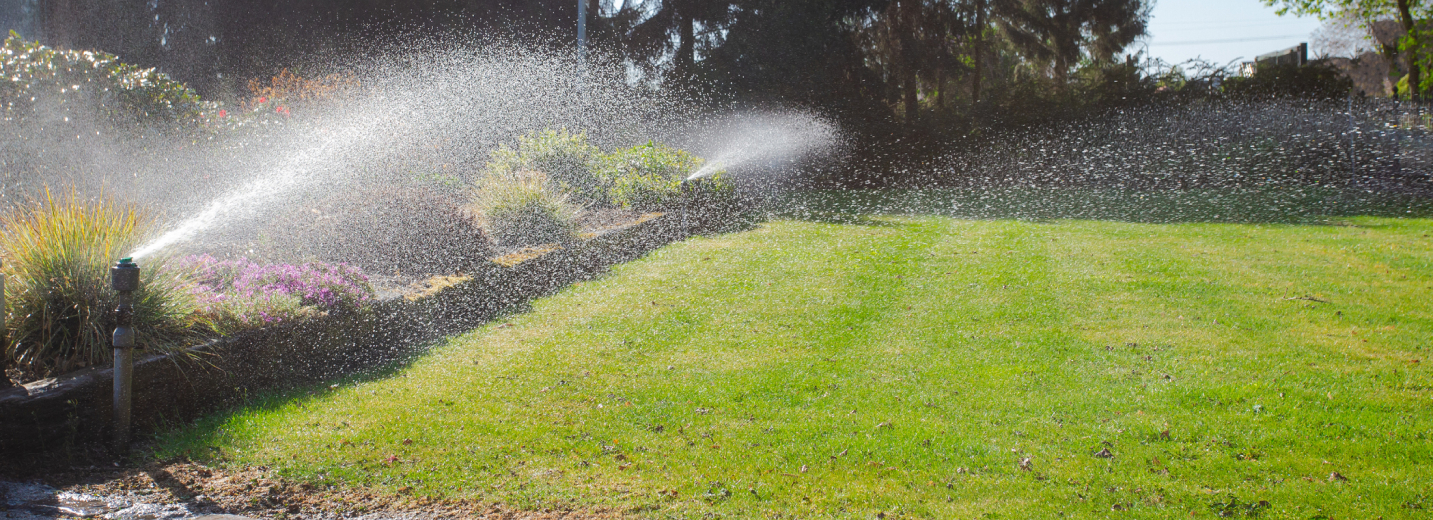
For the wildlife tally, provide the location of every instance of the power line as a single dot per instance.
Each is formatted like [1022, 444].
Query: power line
[1234, 40]
[1226, 23]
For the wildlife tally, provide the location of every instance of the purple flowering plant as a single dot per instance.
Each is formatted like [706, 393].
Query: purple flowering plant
[241, 294]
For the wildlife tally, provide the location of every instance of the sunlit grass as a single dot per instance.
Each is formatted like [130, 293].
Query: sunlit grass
[917, 367]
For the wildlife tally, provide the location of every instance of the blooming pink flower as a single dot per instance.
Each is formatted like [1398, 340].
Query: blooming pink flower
[252, 293]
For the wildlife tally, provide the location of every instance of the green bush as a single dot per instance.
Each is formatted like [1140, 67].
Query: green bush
[649, 177]
[58, 302]
[33, 75]
[524, 208]
[567, 159]
[1313, 81]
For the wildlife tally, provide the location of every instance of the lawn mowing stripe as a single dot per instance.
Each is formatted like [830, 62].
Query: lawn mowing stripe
[1000, 360]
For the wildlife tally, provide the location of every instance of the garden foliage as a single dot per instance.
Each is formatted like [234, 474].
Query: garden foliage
[39, 81]
[649, 177]
[239, 294]
[533, 193]
[567, 159]
[1314, 81]
[525, 207]
[58, 302]
[292, 87]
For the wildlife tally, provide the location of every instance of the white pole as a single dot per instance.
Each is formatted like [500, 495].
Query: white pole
[582, 29]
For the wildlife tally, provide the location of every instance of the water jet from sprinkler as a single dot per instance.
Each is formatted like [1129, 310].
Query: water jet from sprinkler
[124, 279]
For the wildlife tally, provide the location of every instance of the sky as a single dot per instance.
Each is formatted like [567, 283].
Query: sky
[1221, 30]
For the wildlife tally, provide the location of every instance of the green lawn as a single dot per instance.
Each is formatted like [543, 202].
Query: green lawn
[917, 366]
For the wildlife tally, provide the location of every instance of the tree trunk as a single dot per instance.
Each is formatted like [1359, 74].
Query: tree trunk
[1410, 57]
[979, 52]
[906, 27]
[940, 85]
[1062, 74]
[687, 45]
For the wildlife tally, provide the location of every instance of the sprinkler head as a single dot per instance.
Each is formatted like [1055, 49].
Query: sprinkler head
[124, 276]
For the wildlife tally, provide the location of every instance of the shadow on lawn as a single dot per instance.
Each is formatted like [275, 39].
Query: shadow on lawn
[200, 440]
[1305, 206]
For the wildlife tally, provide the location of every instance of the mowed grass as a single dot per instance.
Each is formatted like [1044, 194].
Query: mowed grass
[922, 367]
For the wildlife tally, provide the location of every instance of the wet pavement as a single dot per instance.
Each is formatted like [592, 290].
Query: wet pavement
[30, 501]
[37, 501]
[191, 491]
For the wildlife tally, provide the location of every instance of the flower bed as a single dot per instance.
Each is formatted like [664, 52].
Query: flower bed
[73, 409]
[228, 297]
[241, 294]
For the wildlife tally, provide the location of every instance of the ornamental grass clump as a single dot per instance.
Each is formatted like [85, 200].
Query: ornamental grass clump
[240, 295]
[58, 302]
[524, 208]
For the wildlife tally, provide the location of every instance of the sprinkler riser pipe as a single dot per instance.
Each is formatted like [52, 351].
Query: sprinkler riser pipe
[123, 393]
[124, 279]
[124, 321]
[4, 332]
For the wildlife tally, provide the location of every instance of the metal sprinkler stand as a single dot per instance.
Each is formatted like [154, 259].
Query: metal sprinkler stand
[124, 279]
[686, 188]
[3, 331]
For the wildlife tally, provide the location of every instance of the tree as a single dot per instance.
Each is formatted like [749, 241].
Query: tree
[661, 29]
[1407, 12]
[978, 49]
[1060, 32]
[1342, 36]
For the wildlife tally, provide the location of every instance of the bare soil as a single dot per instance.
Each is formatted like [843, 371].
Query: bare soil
[258, 493]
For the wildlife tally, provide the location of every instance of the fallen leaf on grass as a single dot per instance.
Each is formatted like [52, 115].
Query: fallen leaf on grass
[1104, 454]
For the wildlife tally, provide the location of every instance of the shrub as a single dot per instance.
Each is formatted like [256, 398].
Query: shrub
[1313, 81]
[239, 294]
[524, 208]
[295, 88]
[58, 302]
[566, 159]
[649, 177]
[36, 80]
